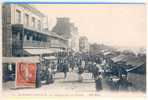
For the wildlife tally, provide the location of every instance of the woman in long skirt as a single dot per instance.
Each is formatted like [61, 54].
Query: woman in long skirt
[98, 82]
[98, 78]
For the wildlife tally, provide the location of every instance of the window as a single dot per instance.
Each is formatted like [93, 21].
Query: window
[21, 36]
[28, 37]
[10, 67]
[26, 20]
[33, 22]
[18, 17]
[34, 37]
[39, 24]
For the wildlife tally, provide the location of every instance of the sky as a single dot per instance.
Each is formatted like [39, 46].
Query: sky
[122, 25]
[135, 1]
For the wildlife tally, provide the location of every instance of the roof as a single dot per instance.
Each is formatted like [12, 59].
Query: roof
[125, 58]
[137, 69]
[135, 62]
[118, 58]
[33, 59]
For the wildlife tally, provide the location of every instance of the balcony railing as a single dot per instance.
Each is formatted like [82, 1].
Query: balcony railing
[38, 44]
[35, 44]
[58, 44]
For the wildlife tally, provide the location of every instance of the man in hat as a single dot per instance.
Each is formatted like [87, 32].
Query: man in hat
[81, 70]
[65, 69]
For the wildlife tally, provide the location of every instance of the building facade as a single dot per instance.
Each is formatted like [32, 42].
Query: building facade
[25, 29]
[83, 44]
[68, 30]
[74, 40]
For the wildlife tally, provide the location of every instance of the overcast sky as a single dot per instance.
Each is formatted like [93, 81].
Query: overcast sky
[121, 25]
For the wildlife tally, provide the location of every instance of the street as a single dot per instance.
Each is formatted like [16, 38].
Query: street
[71, 83]
[64, 87]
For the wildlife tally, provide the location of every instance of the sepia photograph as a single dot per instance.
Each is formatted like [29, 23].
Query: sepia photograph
[73, 49]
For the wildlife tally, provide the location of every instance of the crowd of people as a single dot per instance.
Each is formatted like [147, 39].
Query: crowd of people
[97, 66]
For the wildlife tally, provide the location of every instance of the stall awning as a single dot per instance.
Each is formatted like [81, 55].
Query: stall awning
[42, 51]
[118, 58]
[107, 53]
[33, 59]
[135, 62]
[50, 57]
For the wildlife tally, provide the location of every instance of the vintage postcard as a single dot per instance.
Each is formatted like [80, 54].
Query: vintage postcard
[59, 50]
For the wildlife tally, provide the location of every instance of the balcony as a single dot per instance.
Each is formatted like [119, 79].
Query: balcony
[58, 44]
[35, 44]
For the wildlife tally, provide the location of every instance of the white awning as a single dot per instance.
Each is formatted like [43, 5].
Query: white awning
[42, 51]
[33, 59]
[107, 53]
[50, 57]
